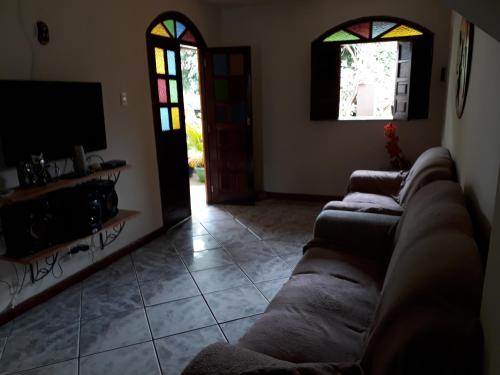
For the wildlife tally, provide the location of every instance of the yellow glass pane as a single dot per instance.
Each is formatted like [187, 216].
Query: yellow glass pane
[401, 31]
[176, 120]
[160, 60]
[160, 30]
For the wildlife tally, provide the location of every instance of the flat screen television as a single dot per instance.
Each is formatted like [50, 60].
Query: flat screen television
[50, 118]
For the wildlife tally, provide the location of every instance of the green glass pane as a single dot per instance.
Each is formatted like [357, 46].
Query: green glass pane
[221, 90]
[165, 119]
[169, 24]
[341, 36]
[174, 97]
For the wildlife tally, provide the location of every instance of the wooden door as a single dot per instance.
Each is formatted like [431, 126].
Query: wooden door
[170, 131]
[228, 135]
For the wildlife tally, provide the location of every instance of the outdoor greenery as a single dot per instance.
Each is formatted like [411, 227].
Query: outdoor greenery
[371, 64]
[192, 106]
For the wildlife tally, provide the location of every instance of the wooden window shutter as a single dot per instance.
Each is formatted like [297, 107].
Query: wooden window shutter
[421, 72]
[403, 75]
[325, 81]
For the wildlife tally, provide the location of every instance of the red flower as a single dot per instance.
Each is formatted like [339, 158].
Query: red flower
[390, 130]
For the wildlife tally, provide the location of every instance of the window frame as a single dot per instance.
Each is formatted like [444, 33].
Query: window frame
[325, 79]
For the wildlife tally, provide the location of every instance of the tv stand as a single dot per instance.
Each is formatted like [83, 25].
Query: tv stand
[110, 229]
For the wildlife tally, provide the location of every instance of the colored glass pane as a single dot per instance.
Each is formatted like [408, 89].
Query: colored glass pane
[160, 30]
[172, 69]
[162, 90]
[160, 60]
[402, 31]
[179, 28]
[174, 97]
[238, 113]
[380, 27]
[169, 24]
[236, 64]
[220, 114]
[188, 37]
[165, 119]
[341, 36]
[362, 29]
[221, 90]
[220, 64]
[176, 120]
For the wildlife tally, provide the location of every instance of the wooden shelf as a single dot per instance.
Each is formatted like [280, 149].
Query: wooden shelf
[122, 217]
[23, 194]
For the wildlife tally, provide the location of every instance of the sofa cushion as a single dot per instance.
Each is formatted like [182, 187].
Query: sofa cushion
[427, 318]
[322, 313]
[365, 202]
[432, 165]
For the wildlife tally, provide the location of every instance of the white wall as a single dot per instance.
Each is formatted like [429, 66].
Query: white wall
[295, 155]
[474, 141]
[93, 40]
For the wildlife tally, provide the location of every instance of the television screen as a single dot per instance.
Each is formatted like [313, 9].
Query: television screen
[50, 118]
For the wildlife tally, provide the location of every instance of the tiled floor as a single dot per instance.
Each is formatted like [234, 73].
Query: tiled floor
[151, 312]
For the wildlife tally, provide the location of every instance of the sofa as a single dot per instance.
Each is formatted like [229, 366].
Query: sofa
[373, 294]
[388, 192]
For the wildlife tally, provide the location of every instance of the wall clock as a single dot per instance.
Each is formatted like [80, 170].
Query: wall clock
[464, 61]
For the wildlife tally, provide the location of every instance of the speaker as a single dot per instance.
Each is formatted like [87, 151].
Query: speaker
[28, 227]
[105, 190]
[77, 211]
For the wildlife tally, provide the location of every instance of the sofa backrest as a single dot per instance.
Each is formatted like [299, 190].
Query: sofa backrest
[427, 320]
[432, 165]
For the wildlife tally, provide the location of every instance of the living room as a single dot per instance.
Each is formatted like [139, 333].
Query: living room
[294, 156]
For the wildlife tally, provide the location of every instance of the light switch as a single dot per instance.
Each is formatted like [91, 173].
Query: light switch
[123, 98]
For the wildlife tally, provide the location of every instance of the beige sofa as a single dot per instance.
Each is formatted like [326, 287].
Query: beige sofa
[372, 295]
[388, 192]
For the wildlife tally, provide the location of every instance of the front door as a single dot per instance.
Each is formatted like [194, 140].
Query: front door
[170, 132]
[228, 133]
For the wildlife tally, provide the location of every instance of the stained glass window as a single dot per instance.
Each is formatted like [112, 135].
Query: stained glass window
[362, 29]
[176, 120]
[220, 64]
[169, 24]
[188, 37]
[179, 28]
[221, 90]
[165, 119]
[171, 63]
[162, 91]
[160, 60]
[402, 31]
[372, 30]
[381, 27]
[160, 31]
[174, 97]
[341, 36]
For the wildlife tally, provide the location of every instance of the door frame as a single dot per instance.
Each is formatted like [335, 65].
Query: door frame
[201, 47]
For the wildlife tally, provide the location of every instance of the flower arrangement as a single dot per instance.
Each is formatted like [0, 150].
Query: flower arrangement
[398, 160]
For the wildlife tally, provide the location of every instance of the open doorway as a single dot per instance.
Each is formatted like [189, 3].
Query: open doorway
[194, 125]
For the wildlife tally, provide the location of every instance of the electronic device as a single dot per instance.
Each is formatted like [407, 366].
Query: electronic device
[79, 162]
[108, 198]
[110, 164]
[50, 118]
[77, 211]
[28, 227]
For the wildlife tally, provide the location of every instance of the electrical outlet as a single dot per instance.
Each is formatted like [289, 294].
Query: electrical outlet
[123, 98]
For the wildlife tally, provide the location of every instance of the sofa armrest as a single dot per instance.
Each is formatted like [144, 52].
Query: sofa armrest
[225, 359]
[366, 234]
[376, 182]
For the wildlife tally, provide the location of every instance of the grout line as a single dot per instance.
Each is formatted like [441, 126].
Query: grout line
[145, 313]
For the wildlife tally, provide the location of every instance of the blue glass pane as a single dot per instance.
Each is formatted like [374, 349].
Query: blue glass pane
[220, 64]
[165, 119]
[380, 27]
[171, 63]
[179, 28]
[220, 114]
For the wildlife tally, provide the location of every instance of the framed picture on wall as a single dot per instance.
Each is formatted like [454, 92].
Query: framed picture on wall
[464, 61]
